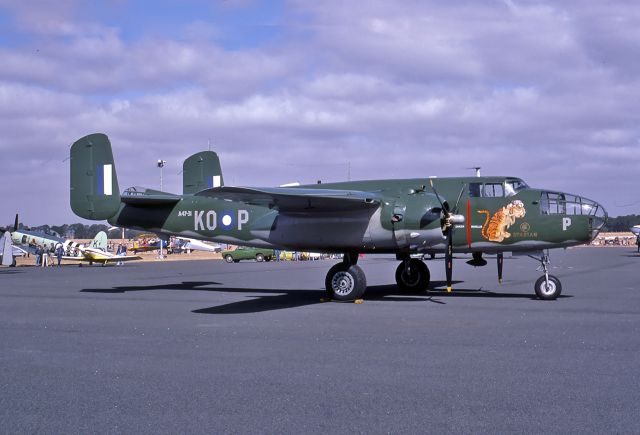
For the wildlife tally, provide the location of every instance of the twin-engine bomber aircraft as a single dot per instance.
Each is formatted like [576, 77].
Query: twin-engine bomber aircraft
[436, 215]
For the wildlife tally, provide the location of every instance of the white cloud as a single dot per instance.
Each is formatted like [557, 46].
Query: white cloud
[546, 91]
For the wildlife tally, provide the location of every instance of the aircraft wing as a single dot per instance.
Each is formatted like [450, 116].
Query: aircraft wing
[126, 258]
[297, 199]
[72, 258]
[102, 259]
[18, 251]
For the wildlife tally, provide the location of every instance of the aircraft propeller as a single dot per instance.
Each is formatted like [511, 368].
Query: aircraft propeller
[449, 220]
[15, 223]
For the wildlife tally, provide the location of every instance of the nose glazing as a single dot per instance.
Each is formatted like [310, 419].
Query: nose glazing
[596, 212]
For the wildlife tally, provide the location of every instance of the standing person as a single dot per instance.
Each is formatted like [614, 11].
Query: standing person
[59, 252]
[638, 241]
[45, 256]
[38, 255]
[52, 253]
[277, 254]
[120, 253]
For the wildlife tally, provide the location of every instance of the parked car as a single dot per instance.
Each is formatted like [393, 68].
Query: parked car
[246, 253]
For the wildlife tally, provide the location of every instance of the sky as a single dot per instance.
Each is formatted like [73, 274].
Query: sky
[293, 90]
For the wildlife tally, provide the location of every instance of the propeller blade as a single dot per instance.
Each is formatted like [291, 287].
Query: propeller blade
[437, 196]
[455, 208]
[500, 260]
[15, 223]
[448, 229]
[449, 259]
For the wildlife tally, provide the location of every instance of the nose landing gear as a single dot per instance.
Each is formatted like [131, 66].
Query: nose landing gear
[547, 287]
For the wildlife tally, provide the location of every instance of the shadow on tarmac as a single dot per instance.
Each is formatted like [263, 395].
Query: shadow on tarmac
[10, 271]
[278, 299]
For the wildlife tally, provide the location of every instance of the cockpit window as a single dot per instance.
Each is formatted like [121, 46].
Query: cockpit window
[488, 190]
[493, 190]
[474, 190]
[512, 186]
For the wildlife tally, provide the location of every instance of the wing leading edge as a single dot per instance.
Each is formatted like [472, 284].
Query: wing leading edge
[294, 200]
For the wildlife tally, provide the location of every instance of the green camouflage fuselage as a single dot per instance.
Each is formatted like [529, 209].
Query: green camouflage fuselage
[407, 219]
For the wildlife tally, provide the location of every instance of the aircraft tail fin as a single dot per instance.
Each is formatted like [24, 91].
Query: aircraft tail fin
[201, 171]
[6, 247]
[100, 241]
[94, 184]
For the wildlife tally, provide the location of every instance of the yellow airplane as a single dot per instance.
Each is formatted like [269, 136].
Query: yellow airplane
[97, 252]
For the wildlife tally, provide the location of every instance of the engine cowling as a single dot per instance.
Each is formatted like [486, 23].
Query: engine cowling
[415, 220]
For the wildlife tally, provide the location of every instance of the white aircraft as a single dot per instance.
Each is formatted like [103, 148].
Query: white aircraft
[197, 245]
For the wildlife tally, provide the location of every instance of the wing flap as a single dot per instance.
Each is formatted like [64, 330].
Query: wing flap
[297, 199]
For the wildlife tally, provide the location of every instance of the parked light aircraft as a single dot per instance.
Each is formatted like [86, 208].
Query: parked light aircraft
[97, 252]
[29, 239]
[443, 215]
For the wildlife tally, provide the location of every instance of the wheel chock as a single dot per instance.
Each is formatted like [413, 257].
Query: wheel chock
[355, 301]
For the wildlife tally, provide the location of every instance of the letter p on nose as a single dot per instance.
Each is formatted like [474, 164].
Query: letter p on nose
[566, 223]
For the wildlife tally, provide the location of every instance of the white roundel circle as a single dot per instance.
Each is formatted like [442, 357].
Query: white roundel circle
[226, 220]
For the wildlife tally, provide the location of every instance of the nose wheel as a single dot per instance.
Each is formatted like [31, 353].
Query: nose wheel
[547, 287]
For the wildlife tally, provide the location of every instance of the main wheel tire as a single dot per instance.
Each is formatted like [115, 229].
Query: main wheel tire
[259, 258]
[418, 280]
[345, 283]
[548, 292]
[228, 258]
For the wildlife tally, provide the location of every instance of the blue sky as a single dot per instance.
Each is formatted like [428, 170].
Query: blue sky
[293, 90]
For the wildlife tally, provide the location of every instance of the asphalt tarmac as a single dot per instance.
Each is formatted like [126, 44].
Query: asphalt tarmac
[210, 347]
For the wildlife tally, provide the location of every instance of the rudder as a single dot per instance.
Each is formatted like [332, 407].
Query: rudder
[94, 192]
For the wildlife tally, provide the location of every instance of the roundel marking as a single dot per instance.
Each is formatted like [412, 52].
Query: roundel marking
[226, 219]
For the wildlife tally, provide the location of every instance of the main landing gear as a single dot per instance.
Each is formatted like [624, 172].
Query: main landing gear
[413, 275]
[346, 281]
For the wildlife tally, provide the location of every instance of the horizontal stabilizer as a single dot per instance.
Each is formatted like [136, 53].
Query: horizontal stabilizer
[294, 200]
[141, 197]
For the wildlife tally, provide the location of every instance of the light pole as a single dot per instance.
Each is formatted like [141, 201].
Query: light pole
[161, 164]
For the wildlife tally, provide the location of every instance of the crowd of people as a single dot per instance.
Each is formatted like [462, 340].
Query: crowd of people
[47, 255]
[620, 240]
